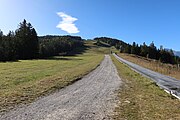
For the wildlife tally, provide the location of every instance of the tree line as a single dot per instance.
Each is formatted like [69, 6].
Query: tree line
[149, 51]
[25, 44]
[55, 45]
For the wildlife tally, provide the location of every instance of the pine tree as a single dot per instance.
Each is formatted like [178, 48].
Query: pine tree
[10, 49]
[1, 46]
[143, 50]
[138, 49]
[35, 43]
[152, 51]
[127, 49]
[133, 48]
[1, 34]
[27, 41]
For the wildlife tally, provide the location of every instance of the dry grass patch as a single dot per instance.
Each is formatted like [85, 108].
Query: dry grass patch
[141, 99]
[166, 69]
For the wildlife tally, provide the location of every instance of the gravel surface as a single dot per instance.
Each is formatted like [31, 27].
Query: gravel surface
[170, 84]
[93, 97]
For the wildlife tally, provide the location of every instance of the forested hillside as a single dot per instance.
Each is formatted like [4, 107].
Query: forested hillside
[54, 45]
[144, 50]
[25, 44]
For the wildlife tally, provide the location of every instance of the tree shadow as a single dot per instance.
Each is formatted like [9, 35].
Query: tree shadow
[77, 51]
[60, 58]
[10, 61]
[102, 44]
[67, 55]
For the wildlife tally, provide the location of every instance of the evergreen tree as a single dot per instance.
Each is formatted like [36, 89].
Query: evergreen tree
[1, 46]
[152, 51]
[27, 41]
[1, 34]
[143, 50]
[127, 49]
[10, 49]
[138, 49]
[173, 58]
[34, 44]
[166, 57]
[1, 37]
[133, 48]
[7, 47]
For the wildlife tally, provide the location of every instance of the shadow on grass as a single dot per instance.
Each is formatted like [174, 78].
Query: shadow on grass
[62, 56]
[78, 51]
[67, 55]
[101, 44]
[11, 61]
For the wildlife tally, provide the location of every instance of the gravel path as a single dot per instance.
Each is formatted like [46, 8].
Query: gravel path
[91, 98]
[171, 85]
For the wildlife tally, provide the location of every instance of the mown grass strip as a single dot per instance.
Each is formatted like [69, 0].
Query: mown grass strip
[141, 99]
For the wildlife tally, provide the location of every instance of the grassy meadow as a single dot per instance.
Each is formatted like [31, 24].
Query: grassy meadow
[24, 81]
[141, 99]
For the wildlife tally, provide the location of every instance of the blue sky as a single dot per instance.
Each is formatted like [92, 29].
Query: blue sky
[129, 20]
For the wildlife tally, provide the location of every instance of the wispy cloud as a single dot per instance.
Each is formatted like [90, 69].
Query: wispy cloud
[67, 23]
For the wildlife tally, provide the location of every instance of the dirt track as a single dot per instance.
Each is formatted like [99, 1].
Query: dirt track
[91, 98]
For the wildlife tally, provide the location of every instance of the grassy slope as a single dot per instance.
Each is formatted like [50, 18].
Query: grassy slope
[26, 80]
[166, 69]
[141, 99]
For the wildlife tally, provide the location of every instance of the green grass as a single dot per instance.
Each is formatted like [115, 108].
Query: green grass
[24, 81]
[141, 99]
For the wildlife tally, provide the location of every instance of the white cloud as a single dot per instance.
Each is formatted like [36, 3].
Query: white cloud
[67, 23]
